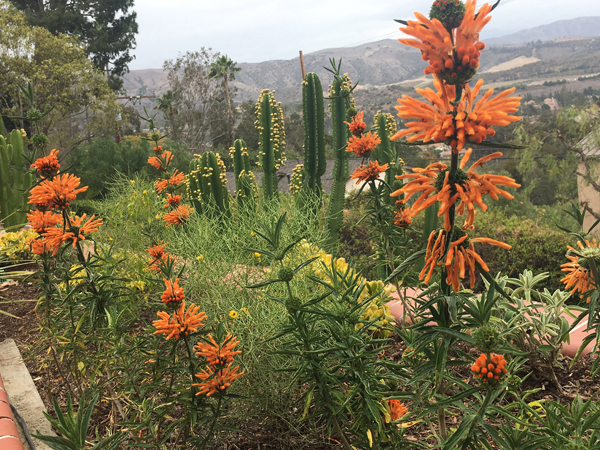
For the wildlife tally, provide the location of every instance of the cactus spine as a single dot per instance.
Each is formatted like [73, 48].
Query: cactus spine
[270, 125]
[207, 186]
[314, 133]
[13, 183]
[341, 103]
[245, 181]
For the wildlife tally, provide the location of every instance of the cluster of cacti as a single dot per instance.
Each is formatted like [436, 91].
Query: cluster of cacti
[385, 152]
[271, 143]
[246, 187]
[314, 134]
[15, 179]
[342, 109]
[207, 186]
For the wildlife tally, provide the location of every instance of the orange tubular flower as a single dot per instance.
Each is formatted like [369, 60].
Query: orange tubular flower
[40, 247]
[397, 409]
[489, 370]
[178, 216]
[173, 293]
[460, 257]
[218, 354]
[175, 180]
[47, 166]
[357, 126]
[55, 237]
[41, 221]
[578, 277]
[403, 217]
[368, 172]
[440, 121]
[157, 150]
[181, 324]
[453, 55]
[172, 201]
[56, 193]
[364, 145]
[157, 251]
[434, 184]
[161, 162]
[216, 381]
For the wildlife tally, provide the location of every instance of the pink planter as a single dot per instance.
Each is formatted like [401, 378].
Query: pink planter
[9, 434]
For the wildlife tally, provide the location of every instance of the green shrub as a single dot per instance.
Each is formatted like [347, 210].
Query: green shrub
[536, 246]
[98, 163]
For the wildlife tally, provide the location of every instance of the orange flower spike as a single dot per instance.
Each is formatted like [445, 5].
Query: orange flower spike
[214, 382]
[172, 201]
[56, 193]
[48, 165]
[216, 353]
[364, 145]
[397, 409]
[41, 221]
[178, 216]
[357, 126]
[369, 172]
[173, 293]
[166, 326]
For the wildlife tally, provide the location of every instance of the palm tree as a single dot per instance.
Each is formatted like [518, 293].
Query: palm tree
[167, 104]
[226, 68]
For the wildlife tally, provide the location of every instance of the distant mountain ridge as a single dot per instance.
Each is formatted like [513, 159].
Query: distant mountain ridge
[388, 66]
[581, 26]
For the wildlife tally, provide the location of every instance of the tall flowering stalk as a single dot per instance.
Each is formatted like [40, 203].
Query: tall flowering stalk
[454, 113]
[211, 371]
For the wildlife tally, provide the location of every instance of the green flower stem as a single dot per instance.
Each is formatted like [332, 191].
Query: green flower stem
[192, 366]
[209, 435]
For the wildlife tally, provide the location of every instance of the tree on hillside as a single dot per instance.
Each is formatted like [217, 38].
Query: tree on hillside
[224, 67]
[107, 28]
[167, 104]
[198, 97]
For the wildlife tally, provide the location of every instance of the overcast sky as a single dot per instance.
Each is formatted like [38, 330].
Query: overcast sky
[262, 30]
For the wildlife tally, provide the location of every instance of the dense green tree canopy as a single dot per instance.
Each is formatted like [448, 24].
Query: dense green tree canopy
[62, 77]
[107, 28]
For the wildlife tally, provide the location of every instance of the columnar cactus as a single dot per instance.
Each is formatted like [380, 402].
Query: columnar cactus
[271, 144]
[245, 181]
[15, 179]
[342, 110]
[314, 133]
[207, 186]
[385, 152]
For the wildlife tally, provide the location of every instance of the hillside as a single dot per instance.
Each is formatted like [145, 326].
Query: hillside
[386, 69]
[580, 27]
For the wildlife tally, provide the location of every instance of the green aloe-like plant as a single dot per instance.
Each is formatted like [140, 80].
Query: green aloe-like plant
[207, 188]
[342, 110]
[315, 162]
[74, 428]
[15, 180]
[245, 181]
[271, 143]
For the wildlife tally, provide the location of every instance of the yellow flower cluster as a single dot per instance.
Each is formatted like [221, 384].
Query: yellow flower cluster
[15, 245]
[321, 268]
